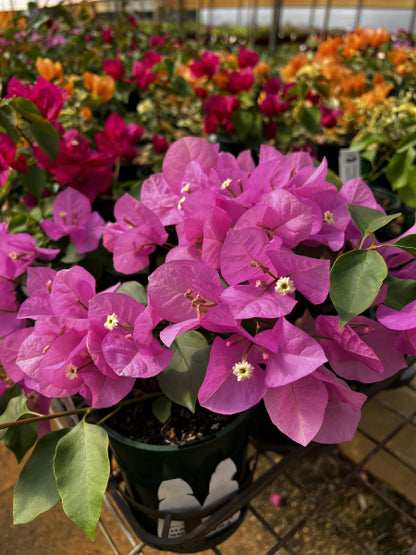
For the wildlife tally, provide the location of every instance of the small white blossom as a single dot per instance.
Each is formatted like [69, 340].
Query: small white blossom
[226, 184]
[71, 372]
[243, 370]
[186, 188]
[111, 322]
[180, 203]
[284, 285]
[329, 217]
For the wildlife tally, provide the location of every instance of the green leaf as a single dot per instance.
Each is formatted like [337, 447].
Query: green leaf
[408, 142]
[14, 391]
[284, 134]
[135, 290]
[47, 137]
[408, 192]
[366, 140]
[369, 219]
[43, 131]
[35, 491]
[26, 108]
[397, 169]
[400, 292]
[407, 243]
[72, 256]
[181, 87]
[82, 467]
[34, 181]
[8, 122]
[161, 408]
[310, 118]
[19, 439]
[181, 380]
[356, 278]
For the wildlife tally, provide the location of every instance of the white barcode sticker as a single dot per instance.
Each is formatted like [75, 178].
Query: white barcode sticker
[349, 164]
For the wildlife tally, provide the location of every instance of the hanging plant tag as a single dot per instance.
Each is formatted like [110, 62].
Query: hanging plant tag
[349, 164]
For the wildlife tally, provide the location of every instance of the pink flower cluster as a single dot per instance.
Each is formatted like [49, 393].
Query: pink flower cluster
[250, 269]
[92, 344]
[252, 263]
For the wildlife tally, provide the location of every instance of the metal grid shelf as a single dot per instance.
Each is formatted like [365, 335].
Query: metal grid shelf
[332, 504]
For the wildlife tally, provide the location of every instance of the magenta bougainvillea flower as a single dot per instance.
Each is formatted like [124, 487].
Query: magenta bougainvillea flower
[247, 58]
[114, 68]
[7, 157]
[142, 70]
[48, 97]
[160, 144]
[18, 251]
[118, 139]
[134, 236]
[207, 65]
[78, 165]
[72, 216]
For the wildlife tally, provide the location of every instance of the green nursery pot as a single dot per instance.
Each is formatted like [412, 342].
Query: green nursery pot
[163, 476]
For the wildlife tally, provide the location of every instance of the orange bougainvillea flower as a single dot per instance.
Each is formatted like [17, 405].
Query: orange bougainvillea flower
[376, 37]
[102, 86]
[288, 72]
[378, 78]
[355, 84]
[221, 80]
[329, 48]
[86, 113]
[378, 94]
[261, 68]
[48, 69]
[260, 71]
[397, 56]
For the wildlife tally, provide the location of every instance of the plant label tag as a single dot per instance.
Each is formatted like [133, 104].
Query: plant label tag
[349, 162]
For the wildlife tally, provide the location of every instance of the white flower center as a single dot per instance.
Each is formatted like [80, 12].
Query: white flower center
[284, 285]
[186, 188]
[180, 203]
[329, 217]
[71, 372]
[111, 322]
[243, 370]
[226, 184]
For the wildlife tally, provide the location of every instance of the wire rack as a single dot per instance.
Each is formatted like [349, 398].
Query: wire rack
[332, 499]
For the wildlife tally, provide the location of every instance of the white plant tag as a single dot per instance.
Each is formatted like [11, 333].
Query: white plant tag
[349, 162]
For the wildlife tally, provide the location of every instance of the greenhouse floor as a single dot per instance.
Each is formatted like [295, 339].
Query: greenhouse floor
[359, 497]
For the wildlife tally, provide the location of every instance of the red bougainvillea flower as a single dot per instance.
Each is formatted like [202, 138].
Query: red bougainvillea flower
[118, 139]
[48, 97]
[160, 144]
[207, 66]
[114, 68]
[247, 58]
[78, 165]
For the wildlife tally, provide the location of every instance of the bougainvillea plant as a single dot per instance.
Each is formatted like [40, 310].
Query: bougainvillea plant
[242, 283]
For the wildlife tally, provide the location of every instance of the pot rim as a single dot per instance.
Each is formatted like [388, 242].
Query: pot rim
[195, 444]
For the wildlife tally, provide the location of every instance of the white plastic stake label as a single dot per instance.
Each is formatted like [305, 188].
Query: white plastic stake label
[349, 164]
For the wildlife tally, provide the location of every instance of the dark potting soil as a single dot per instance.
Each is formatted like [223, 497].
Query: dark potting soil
[137, 422]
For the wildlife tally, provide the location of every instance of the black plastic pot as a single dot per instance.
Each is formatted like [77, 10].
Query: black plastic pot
[184, 480]
[266, 436]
